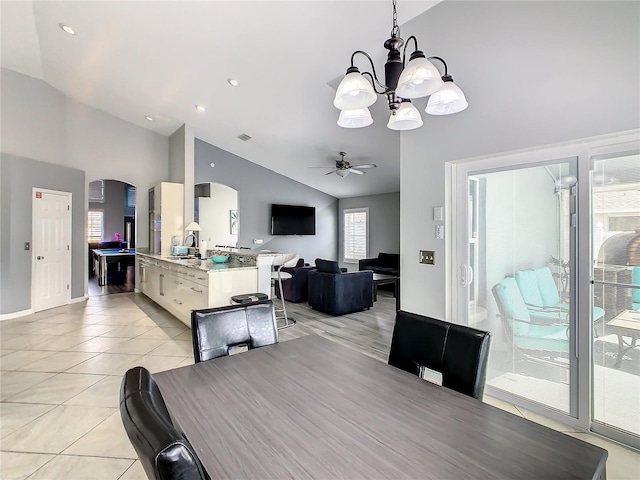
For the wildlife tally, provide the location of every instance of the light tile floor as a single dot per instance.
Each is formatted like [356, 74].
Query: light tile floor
[60, 374]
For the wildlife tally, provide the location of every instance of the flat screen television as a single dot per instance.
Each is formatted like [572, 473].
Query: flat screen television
[293, 220]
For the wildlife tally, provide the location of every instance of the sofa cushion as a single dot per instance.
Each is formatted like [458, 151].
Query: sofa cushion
[527, 281]
[385, 270]
[547, 287]
[390, 260]
[509, 296]
[327, 266]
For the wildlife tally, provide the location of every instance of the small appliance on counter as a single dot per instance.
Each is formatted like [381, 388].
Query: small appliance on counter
[178, 250]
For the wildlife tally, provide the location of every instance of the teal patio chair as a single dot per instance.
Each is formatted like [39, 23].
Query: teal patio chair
[540, 337]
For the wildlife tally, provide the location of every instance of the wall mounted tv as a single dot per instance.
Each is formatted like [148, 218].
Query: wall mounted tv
[293, 220]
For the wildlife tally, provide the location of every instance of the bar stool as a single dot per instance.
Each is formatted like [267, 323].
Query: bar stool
[286, 260]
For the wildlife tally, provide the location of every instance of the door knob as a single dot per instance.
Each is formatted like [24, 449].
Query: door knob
[39, 257]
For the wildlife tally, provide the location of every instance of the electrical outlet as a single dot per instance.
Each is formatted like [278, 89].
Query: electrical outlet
[428, 257]
[258, 241]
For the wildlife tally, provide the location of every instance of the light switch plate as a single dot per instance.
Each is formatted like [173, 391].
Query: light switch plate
[427, 257]
[438, 214]
[440, 232]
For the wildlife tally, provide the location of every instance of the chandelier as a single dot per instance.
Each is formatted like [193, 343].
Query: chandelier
[420, 78]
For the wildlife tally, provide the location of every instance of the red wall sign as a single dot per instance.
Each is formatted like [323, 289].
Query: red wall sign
[38, 194]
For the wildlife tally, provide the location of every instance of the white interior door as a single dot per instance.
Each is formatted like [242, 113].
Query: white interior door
[51, 284]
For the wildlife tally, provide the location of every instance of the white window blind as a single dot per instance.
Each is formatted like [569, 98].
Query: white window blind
[356, 234]
[95, 222]
[96, 191]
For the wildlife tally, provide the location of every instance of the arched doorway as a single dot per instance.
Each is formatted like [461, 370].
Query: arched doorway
[111, 237]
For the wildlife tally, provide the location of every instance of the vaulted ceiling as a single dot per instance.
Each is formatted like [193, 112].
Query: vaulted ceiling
[160, 59]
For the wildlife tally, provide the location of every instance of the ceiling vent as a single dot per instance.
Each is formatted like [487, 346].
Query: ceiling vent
[244, 137]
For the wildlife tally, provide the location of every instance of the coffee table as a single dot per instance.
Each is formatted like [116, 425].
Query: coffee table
[382, 279]
[625, 324]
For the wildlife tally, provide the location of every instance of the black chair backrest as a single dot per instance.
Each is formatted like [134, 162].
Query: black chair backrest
[214, 330]
[164, 452]
[459, 353]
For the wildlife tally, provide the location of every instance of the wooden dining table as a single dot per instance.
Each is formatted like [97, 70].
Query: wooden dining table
[312, 408]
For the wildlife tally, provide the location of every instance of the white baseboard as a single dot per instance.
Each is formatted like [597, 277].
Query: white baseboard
[9, 316]
[24, 313]
[79, 299]
[135, 290]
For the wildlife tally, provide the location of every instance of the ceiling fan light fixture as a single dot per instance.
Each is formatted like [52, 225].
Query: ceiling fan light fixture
[407, 117]
[355, 118]
[354, 92]
[448, 100]
[419, 78]
[343, 173]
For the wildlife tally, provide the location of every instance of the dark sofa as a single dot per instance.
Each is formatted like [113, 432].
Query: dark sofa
[386, 263]
[338, 293]
[296, 288]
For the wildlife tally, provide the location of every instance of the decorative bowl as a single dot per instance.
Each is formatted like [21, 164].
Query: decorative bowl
[220, 258]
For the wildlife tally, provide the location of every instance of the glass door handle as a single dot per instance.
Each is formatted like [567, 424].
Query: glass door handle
[466, 275]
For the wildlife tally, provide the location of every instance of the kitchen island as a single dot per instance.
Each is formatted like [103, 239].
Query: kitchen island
[182, 285]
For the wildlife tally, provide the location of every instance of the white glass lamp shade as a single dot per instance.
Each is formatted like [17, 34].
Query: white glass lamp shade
[343, 173]
[355, 118]
[418, 79]
[192, 227]
[449, 99]
[407, 117]
[354, 92]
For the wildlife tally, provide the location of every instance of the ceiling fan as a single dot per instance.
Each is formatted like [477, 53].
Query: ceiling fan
[344, 168]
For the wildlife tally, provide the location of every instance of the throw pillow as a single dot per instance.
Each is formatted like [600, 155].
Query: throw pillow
[327, 266]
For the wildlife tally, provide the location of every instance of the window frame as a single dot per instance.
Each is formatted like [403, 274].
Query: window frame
[348, 211]
[96, 200]
[91, 239]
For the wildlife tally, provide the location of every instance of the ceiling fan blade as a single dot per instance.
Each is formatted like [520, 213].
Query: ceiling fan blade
[353, 170]
[323, 166]
[366, 165]
[334, 170]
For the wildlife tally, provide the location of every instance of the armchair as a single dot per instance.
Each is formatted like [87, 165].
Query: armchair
[296, 288]
[338, 293]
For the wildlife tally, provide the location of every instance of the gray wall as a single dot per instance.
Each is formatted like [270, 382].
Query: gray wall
[258, 188]
[113, 208]
[384, 224]
[41, 123]
[534, 73]
[18, 176]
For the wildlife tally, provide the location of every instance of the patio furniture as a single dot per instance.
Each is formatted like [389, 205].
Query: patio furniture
[534, 338]
[626, 324]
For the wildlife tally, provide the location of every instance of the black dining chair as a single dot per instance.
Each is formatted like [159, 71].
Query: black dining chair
[215, 330]
[164, 452]
[459, 353]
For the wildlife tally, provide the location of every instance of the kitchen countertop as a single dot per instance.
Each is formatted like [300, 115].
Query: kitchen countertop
[203, 265]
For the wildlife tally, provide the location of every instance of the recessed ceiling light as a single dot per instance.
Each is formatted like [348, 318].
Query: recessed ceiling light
[201, 108]
[67, 29]
[212, 164]
[149, 118]
[233, 82]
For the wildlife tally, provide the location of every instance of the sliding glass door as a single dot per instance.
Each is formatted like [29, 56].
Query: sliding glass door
[516, 280]
[615, 212]
[546, 256]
